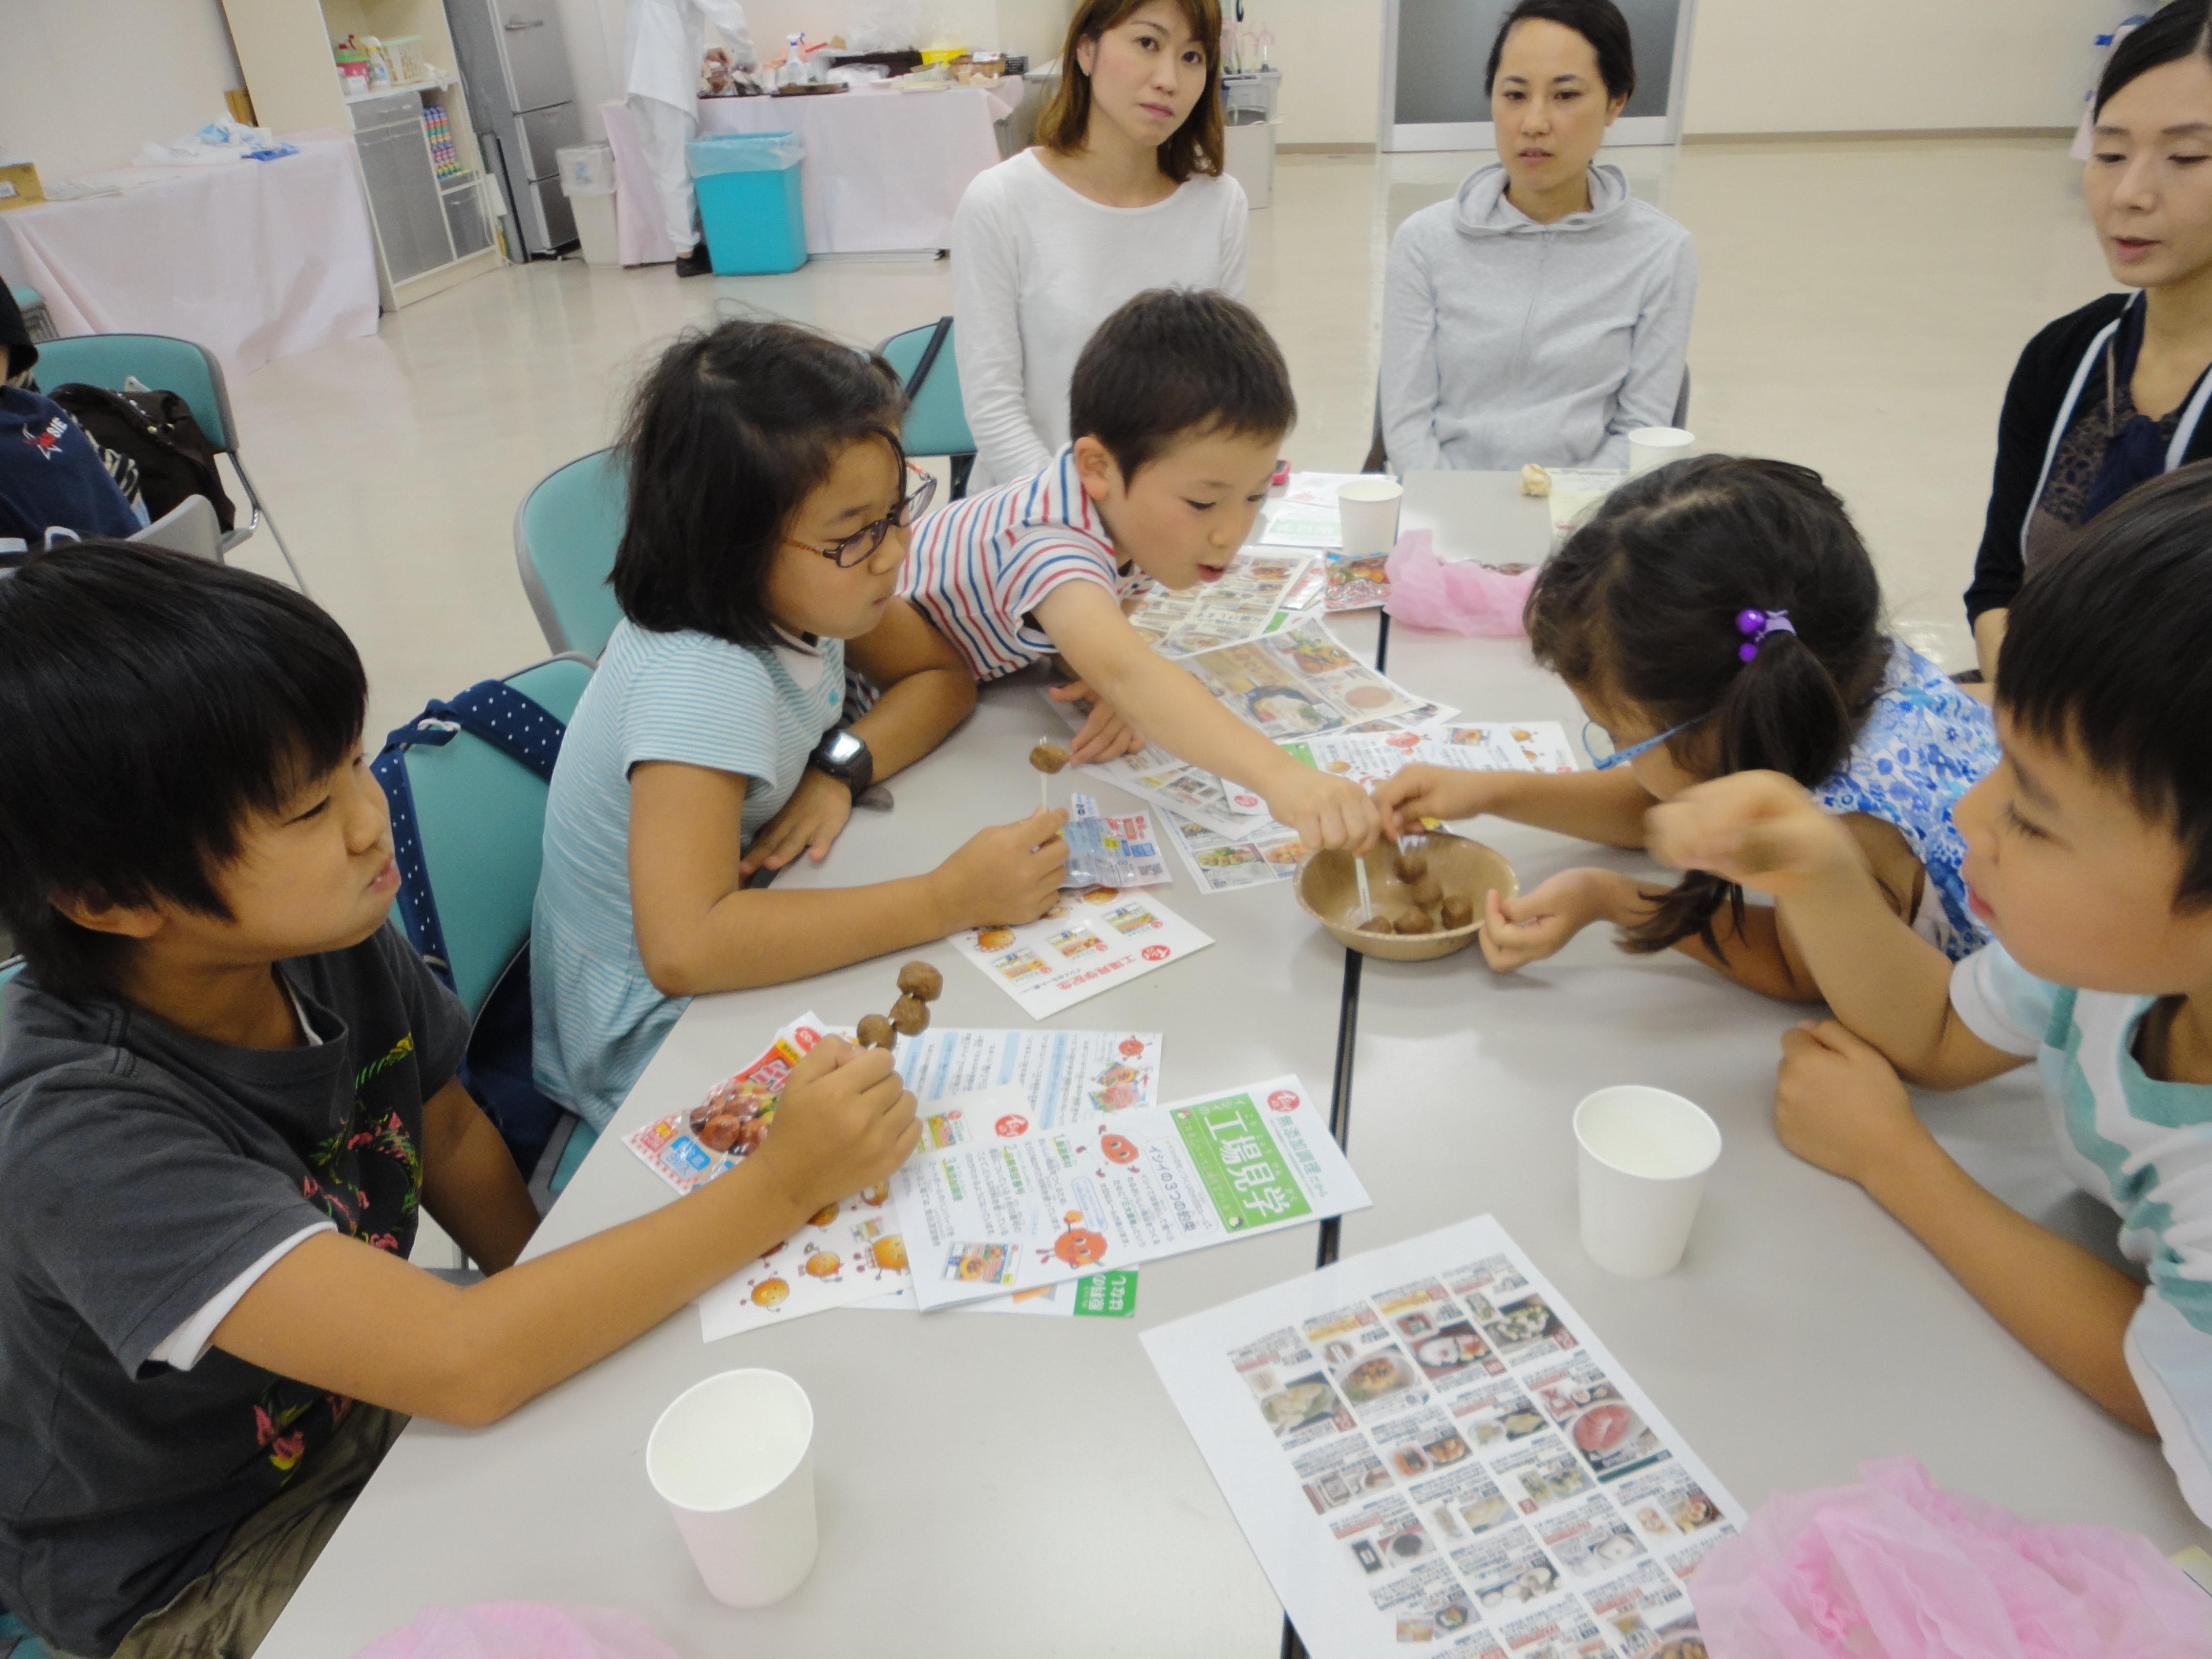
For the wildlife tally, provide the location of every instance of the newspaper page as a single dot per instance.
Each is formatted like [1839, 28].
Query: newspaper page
[993, 1217]
[1426, 1444]
[1086, 944]
[1160, 778]
[1265, 854]
[1298, 682]
[1104, 850]
[1255, 586]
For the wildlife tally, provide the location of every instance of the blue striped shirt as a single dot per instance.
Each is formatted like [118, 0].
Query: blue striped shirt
[597, 1017]
[978, 569]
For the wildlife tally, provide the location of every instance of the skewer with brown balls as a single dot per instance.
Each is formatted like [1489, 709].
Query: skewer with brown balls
[920, 984]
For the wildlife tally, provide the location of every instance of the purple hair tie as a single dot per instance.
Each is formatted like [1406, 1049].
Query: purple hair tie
[1756, 625]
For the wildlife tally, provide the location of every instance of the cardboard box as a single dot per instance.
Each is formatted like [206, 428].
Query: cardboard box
[19, 185]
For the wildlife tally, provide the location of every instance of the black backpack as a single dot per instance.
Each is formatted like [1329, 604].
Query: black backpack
[154, 433]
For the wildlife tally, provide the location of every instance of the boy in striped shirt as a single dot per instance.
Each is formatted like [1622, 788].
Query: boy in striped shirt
[2089, 855]
[1179, 407]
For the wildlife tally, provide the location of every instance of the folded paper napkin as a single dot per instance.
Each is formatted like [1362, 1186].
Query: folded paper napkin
[1454, 599]
[521, 1630]
[1897, 1566]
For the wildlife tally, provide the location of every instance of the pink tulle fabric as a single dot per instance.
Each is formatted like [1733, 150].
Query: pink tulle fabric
[1453, 599]
[522, 1629]
[1898, 1567]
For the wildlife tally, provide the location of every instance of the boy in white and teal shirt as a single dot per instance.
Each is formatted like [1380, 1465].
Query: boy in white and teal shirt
[2089, 859]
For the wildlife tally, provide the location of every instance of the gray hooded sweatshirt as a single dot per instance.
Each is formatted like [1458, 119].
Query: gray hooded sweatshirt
[1505, 341]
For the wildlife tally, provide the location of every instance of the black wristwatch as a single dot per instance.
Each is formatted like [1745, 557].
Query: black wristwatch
[846, 758]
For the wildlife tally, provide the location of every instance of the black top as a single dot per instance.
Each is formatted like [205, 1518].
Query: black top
[15, 338]
[2032, 403]
[145, 1168]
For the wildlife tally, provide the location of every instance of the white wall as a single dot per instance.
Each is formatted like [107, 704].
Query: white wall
[1881, 65]
[85, 84]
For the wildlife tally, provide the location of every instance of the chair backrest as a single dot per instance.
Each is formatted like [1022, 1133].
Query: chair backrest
[9, 968]
[190, 526]
[481, 817]
[1682, 400]
[566, 532]
[160, 361]
[936, 423]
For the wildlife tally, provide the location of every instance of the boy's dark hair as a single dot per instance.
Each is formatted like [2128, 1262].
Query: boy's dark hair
[726, 436]
[1175, 362]
[1063, 125]
[2173, 32]
[1598, 21]
[148, 703]
[1640, 608]
[2106, 652]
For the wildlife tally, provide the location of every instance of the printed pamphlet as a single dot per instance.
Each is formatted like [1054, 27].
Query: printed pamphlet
[1086, 944]
[1104, 851]
[1249, 595]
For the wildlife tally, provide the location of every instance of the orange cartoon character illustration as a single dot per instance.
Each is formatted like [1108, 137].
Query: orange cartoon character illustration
[771, 1293]
[1078, 1247]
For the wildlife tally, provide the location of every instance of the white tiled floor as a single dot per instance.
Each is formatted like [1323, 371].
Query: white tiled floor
[1862, 305]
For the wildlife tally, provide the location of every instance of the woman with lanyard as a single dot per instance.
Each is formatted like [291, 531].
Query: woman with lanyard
[1124, 191]
[2115, 393]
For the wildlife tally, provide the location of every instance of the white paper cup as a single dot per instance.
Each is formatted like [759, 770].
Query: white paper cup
[1369, 508]
[1655, 445]
[733, 1459]
[1643, 1155]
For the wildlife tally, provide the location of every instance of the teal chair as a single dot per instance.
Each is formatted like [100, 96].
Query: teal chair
[566, 532]
[165, 364]
[936, 420]
[480, 818]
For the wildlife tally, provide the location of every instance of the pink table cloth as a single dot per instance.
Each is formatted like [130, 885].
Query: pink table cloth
[254, 260]
[882, 173]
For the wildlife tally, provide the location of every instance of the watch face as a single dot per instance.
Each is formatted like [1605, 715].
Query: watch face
[842, 748]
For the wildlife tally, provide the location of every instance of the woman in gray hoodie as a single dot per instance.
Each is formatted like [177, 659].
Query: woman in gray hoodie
[1543, 313]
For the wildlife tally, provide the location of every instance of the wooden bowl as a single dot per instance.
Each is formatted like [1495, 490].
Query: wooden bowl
[1328, 891]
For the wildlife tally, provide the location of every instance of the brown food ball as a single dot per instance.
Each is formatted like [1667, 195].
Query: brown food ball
[919, 980]
[1412, 866]
[1458, 911]
[1377, 924]
[876, 1032]
[1047, 757]
[1428, 892]
[910, 1016]
[1416, 922]
[719, 1133]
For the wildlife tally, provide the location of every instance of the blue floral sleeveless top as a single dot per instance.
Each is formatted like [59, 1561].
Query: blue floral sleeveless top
[1924, 744]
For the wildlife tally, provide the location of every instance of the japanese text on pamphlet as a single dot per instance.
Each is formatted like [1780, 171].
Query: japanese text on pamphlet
[1086, 944]
[1426, 1444]
[989, 1218]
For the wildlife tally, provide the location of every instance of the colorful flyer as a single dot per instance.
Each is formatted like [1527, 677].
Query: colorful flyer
[689, 1149]
[1250, 593]
[1426, 1444]
[1108, 851]
[1086, 944]
[1368, 757]
[1059, 1077]
[1265, 854]
[1298, 682]
[994, 1216]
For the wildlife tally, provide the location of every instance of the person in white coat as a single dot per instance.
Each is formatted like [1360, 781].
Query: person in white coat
[664, 42]
[1124, 191]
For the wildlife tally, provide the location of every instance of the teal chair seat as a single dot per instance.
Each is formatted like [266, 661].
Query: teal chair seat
[481, 817]
[566, 532]
[165, 364]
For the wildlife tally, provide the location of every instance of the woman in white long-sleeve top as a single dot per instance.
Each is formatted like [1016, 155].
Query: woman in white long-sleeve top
[1543, 313]
[1124, 191]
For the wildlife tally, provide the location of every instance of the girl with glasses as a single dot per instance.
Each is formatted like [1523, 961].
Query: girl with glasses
[1716, 616]
[769, 506]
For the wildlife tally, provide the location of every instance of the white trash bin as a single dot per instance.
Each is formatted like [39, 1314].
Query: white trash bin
[587, 180]
[1248, 146]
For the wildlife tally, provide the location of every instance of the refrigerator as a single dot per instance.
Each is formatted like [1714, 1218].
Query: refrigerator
[515, 67]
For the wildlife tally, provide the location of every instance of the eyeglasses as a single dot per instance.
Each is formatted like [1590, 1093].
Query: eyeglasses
[1598, 743]
[860, 546]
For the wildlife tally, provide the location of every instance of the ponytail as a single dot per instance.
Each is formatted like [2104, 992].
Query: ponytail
[1733, 598]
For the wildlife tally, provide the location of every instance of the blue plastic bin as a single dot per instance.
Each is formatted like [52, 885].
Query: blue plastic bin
[750, 205]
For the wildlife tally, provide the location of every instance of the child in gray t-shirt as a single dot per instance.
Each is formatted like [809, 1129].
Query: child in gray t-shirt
[227, 1090]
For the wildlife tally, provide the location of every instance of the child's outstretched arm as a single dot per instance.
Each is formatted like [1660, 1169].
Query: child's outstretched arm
[339, 1314]
[1887, 984]
[1605, 807]
[1838, 1105]
[700, 928]
[925, 691]
[1166, 704]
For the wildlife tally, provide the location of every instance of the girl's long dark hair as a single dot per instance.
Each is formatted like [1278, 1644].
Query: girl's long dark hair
[728, 433]
[1639, 609]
